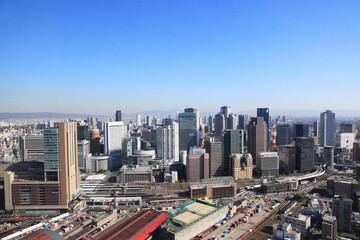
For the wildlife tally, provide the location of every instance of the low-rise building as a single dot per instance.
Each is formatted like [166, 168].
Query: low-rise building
[285, 231]
[213, 188]
[191, 219]
[300, 222]
[128, 174]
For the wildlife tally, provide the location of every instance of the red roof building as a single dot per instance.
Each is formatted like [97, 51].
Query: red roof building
[138, 227]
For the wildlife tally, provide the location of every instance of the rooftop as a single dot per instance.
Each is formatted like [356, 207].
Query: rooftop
[189, 213]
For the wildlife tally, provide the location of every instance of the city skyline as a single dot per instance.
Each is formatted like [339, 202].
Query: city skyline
[141, 55]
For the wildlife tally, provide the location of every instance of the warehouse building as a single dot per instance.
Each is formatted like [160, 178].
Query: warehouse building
[213, 188]
[191, 219]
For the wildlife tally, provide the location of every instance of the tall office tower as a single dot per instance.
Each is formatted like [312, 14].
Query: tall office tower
[301, 130]
[197, 167]
[347, 128]
[149, 121]
[233, 143]
[118, 116]
[327, 128]
[211, 123]
[51, 154]
[342, 210]
[356, 151]
[138, 120]
[226, 110]
[83, 147]
[283, 136]
[267, 163]
[61, 159]
[242, 166]
[127, 151]
[216, 158]
[329, 227]
[31, 148]
[220, 124]
[257, 136]
[243, 122]
[264, 113]
[316, 128]
[95, 142]
[232, 122]
[287, 158]
[114, 133]
[305, 154]
[83, 132]
[188, 128]
[167, 143]
[329, 156]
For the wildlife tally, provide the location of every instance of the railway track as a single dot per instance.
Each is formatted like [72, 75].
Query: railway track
[259, 233]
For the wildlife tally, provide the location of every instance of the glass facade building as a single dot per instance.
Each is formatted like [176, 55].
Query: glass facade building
[51, 154]
[187, 130]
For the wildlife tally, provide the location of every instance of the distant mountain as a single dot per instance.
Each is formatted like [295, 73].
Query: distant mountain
[44, 115]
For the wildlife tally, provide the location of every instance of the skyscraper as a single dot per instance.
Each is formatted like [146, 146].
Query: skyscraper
[327, 128]
[257, 136]
[226, 110]
[62, 178]
[83, 132]
[301, 130]
[316, 128]
[356, 151]
[114, 133]
[305, 154]
[167, 143]
[220, 124]
[342, 210]
[243, 121]
[138, 120]
[283, 136]
[118, 116]
[197, 167]
[188, 129]
[233, 143]
[264, 113]
[232, 122]
[31, 148]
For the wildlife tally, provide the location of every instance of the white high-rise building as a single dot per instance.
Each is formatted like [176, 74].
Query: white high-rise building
[167, 142]
[345, 140]
[114, 133]
[138, 120]
[327, 128]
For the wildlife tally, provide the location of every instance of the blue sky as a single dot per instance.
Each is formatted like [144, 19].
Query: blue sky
[98, 56]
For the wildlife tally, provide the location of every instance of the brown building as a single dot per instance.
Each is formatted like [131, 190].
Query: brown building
[213, 188]
[61, 176]
[242, 166]
[257, 135]
[197, 167]
[95, 142]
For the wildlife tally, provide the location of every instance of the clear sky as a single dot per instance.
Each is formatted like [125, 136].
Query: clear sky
[99, 56]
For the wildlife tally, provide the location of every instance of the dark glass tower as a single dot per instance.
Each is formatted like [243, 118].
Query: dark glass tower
[264, 113]
[188, 126]
[118, 115]
[233, 143]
